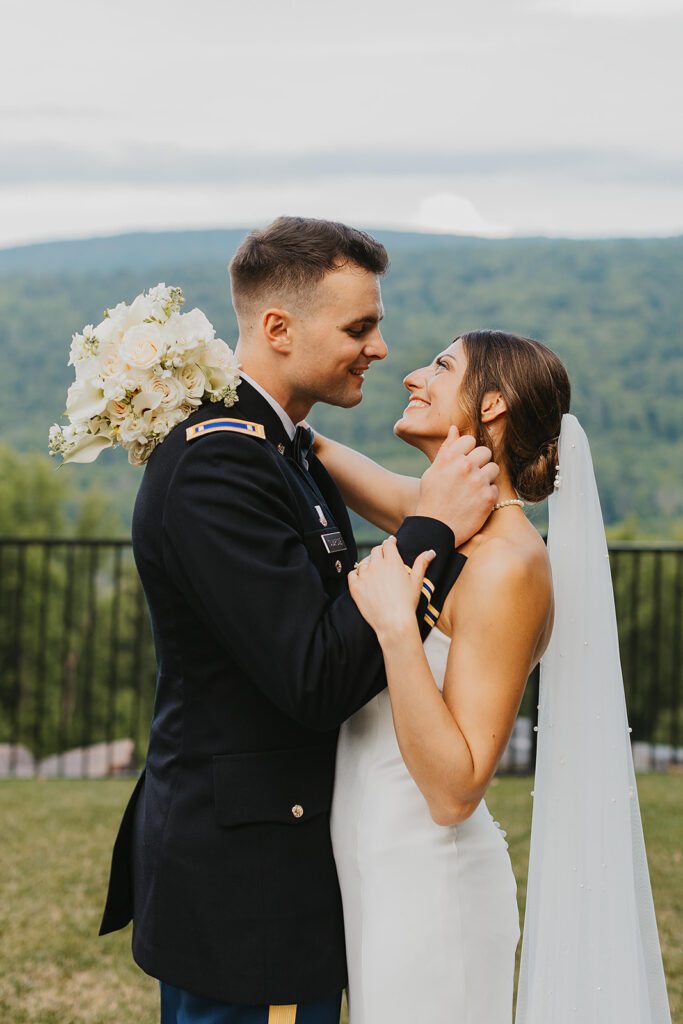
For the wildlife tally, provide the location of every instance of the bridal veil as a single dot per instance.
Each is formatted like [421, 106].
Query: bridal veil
[590, 948]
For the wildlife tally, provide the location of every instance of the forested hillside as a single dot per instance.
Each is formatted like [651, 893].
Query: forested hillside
[613, 310]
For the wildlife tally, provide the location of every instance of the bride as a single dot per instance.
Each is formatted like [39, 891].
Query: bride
[427, 884]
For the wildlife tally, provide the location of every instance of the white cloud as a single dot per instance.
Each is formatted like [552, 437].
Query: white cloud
[454, 215]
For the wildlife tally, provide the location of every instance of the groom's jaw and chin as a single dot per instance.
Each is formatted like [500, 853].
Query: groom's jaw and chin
[340, 338]
[318, 351]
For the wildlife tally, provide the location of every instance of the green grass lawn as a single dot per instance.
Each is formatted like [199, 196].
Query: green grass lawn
[56, 840]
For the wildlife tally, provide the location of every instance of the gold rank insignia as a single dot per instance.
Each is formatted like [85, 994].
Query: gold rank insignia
[214, 426]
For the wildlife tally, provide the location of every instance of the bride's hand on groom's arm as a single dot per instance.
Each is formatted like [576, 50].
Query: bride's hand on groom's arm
[459, 487]
[387, 591]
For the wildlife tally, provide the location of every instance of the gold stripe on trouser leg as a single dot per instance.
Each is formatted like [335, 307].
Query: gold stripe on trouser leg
[282, 1014]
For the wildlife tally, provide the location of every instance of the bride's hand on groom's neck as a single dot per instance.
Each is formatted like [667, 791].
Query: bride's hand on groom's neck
[459, 487]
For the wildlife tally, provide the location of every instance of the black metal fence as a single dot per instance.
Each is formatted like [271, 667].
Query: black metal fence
[77, 664]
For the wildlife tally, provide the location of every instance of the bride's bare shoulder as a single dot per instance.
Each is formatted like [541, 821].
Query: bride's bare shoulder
[502, 567]
[512, 560]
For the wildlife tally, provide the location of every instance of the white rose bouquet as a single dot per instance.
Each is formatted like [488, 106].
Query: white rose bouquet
[144, 369]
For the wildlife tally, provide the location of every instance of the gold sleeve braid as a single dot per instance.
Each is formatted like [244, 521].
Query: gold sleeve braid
[428, 590]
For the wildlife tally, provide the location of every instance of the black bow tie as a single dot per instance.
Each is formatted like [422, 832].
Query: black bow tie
[303, 443]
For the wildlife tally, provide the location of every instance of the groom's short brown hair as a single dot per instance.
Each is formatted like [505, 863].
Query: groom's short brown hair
[289, 257]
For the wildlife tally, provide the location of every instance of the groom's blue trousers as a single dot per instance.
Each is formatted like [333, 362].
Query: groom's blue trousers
[180, 1007]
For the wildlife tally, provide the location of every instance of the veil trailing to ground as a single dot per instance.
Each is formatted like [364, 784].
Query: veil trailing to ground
[590, 949]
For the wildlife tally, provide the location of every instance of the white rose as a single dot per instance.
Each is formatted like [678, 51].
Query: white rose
[116, 409]
[129, 430]
[171, 391]
[193, 379]
[110, 360]
[142, 346]
[140, 451]
[110, 332]
[196, 328]
[216, 354]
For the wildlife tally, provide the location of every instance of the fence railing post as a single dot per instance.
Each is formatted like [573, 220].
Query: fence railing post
[77, 661]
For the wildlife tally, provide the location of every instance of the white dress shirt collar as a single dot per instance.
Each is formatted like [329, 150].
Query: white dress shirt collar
[287, 421]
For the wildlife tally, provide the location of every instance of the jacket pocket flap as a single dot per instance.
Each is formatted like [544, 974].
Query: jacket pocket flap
[286, 786]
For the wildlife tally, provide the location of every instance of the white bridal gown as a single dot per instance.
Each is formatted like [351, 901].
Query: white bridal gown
[430, 911]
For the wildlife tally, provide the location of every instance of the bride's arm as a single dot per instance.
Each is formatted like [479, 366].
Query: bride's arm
[452, 742]
[375, 493]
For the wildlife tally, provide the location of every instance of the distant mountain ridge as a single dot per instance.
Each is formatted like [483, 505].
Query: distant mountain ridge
[141, 250]
[612, 309]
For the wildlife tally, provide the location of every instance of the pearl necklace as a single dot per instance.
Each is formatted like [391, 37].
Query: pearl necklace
[510, 501]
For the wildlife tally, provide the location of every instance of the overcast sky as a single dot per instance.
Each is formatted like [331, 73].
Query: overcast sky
[491, 117]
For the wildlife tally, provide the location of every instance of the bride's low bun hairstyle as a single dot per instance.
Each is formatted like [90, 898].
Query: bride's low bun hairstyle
[535, 480]
[537, 392]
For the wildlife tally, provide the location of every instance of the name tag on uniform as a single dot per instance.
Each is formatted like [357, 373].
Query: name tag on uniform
[333, 542]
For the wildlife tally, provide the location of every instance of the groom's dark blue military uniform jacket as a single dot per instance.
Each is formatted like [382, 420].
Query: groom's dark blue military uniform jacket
[223, 858]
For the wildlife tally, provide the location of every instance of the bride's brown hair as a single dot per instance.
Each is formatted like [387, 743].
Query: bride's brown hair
[537, 392]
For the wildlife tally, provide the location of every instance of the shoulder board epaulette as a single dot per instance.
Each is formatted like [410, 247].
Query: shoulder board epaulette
[214, 426]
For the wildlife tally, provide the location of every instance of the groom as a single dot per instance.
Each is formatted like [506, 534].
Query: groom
[223, 859]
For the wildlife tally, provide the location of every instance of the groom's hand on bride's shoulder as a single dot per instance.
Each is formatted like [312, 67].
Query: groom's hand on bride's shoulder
[459, 487]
